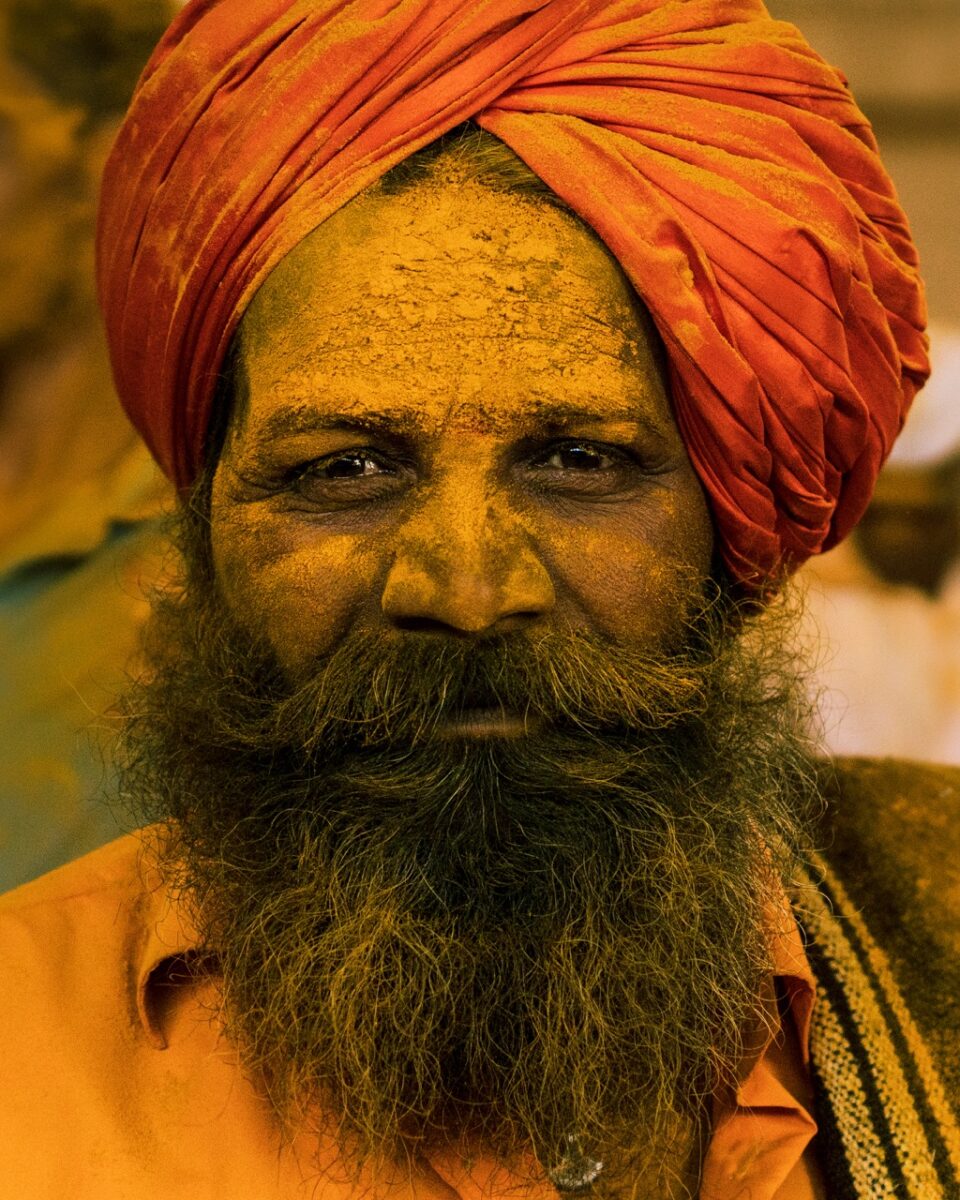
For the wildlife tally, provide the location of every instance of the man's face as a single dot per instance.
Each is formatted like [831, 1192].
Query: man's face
[456, 425]
[477, 794]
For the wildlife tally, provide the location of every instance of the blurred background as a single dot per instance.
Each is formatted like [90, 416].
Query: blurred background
[80, 500]
[886, 603]
[81, 503]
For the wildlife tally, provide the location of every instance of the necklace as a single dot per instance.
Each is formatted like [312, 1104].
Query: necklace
[576, 1171]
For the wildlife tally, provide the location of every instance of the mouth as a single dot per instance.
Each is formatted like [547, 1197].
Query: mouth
[488, 722]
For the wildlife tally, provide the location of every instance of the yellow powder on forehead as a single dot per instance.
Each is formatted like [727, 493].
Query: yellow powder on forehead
[478, 235]
[457, 291]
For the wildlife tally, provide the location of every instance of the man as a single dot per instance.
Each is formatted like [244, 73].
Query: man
[478, 825]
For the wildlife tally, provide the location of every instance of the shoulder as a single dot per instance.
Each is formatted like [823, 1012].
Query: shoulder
[70, 1026]
[74, 934]
[894, 825]
[111, 868]
[896, 789]
[891, 834]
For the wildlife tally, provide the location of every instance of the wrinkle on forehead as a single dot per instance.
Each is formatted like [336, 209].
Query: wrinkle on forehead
[483, 298]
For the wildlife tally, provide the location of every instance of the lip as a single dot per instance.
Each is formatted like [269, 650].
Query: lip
[488, 722]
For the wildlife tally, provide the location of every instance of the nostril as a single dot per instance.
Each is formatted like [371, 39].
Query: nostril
[507, 624]
[429, 625]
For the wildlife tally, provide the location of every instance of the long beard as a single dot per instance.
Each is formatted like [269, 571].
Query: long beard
[510, 943]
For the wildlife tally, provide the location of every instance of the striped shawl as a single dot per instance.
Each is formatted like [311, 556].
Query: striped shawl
[881, 914]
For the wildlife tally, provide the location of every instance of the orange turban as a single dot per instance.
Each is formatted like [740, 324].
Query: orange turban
[718, 157]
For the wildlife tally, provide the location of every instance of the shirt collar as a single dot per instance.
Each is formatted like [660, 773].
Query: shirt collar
[763, 1127]
[169, 948]
[791, 968]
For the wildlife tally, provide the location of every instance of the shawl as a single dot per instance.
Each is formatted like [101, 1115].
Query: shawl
[879, 910]
[886, 1127]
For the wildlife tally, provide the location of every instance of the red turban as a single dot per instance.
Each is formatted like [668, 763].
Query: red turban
[718, 157]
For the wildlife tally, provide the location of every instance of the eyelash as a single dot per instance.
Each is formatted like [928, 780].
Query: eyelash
[620, 456]
[305, 469]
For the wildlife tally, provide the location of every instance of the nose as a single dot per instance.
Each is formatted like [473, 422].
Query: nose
[465, 570]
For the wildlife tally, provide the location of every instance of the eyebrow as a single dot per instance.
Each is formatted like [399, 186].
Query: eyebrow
[560, 417]
[294, 420]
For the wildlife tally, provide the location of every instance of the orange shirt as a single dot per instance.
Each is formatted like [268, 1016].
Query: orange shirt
[119, 1087]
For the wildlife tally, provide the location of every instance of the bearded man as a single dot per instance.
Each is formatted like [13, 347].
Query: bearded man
[508, 356]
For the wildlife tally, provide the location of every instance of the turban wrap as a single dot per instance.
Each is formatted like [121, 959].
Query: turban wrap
[720, 159]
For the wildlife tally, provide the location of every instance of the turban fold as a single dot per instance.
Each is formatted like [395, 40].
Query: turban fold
[722, 162]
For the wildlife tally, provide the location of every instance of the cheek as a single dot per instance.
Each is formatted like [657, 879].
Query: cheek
[302, 593]
[637, 578]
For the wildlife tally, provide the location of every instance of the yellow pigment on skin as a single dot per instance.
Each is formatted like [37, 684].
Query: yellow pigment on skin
[469, 317]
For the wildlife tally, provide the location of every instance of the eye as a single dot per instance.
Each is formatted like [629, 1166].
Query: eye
[349, 464]
[578, 456]
[347, 478]
[585, 470]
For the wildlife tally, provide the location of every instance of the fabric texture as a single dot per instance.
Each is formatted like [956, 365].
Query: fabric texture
[881, 911]
[888, 1128]
[892, 842]
[723, 163]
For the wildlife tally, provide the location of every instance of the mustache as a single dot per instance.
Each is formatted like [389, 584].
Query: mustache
[377, 691]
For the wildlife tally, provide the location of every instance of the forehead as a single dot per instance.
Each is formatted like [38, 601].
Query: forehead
[456, 302]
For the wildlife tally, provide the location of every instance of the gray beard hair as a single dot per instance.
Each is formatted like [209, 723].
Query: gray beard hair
[501, 945]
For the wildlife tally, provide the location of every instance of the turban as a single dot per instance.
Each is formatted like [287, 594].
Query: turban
[719, 158]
